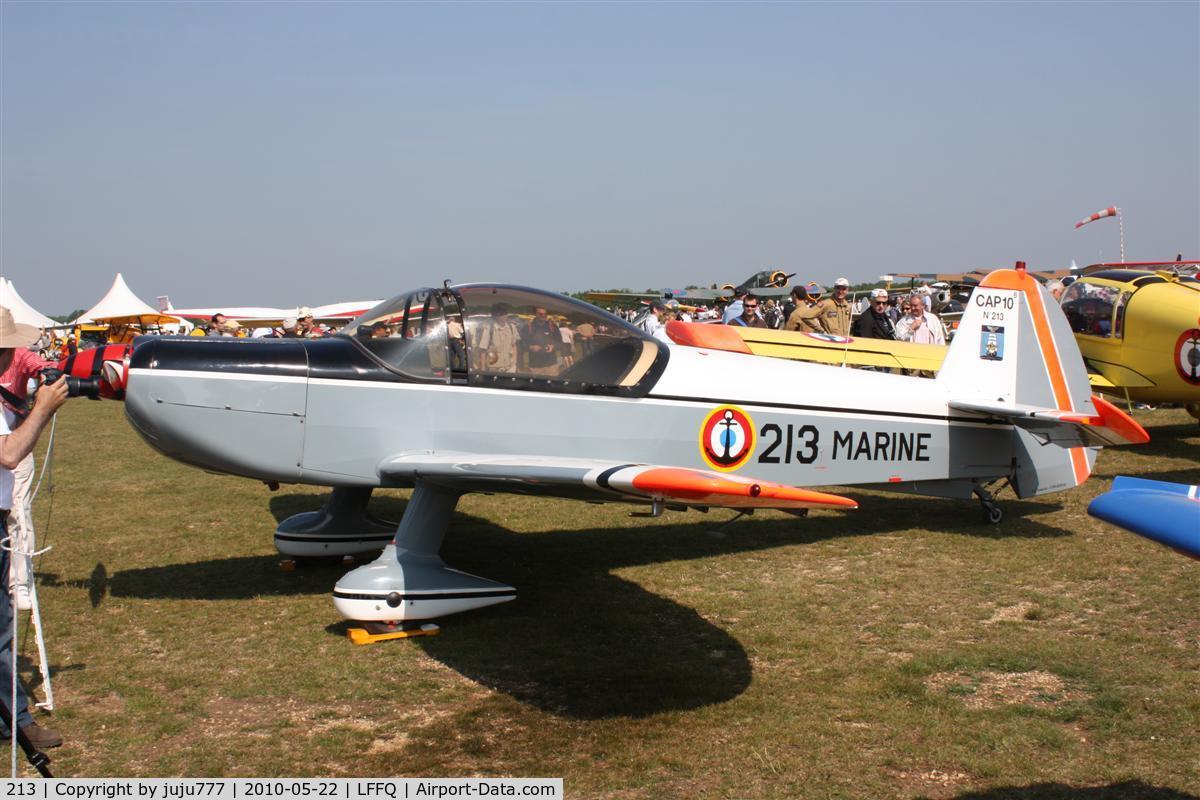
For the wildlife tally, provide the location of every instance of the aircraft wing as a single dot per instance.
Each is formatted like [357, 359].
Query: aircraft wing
[1168, 513]
[823, 348]
[598, 479]
[820, 347]
[1108, 426]
[682, 295]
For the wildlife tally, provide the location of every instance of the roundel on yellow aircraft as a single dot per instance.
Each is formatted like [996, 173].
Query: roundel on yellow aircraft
[727, 438]
[778, 279]
[1187, 356]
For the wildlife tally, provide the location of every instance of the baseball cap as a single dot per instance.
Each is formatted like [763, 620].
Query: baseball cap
[289, 323]
[303, 312]
[841, 282]
[879, 294]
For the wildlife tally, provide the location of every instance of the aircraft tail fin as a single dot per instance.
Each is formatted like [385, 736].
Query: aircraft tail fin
[1014, 357]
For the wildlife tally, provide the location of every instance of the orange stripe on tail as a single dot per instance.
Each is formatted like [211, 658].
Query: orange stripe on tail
[1021, 281]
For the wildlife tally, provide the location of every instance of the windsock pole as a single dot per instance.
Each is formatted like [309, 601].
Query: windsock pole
[1121, 226]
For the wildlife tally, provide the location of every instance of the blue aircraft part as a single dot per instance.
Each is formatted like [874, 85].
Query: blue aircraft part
[1168, 513]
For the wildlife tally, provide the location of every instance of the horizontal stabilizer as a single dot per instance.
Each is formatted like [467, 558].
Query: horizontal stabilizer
[596, 479]
[1108, 426]
[1168, 513]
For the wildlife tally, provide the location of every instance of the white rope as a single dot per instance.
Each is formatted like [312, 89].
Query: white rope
[46, 461]
[39, 635]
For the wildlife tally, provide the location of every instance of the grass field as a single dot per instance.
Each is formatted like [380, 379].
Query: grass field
[904, 650]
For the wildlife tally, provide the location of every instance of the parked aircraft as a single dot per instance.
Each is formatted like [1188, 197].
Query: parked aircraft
[1138, 329]
[454, 396]
[1167, 513]
[765, 283]
[267, 317]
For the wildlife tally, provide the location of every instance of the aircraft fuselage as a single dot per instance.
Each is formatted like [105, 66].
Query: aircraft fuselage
[316, 412]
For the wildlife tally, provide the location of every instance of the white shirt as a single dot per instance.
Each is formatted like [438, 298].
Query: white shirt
[931, 332]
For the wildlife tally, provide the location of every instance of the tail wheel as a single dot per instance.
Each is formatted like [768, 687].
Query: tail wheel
[1194, 410]
[778, 279]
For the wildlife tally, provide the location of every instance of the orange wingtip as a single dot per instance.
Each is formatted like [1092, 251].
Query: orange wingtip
[708, 488]
[1119, 422]
[712, 337]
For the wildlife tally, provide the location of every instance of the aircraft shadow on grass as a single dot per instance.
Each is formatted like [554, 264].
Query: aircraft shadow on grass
[1172, 441]
[580, 641]
[1126, 790]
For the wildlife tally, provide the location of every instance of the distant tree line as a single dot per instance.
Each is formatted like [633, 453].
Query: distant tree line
[67, 317]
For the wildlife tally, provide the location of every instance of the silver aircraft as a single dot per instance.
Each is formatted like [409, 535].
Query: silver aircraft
[497, 388]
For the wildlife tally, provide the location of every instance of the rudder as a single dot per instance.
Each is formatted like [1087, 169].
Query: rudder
[1014, 348]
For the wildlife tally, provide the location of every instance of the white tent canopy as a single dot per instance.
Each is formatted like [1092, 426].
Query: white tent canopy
[122, 307]
[22, 312]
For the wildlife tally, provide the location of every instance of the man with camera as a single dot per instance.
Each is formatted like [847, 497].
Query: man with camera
[15, 445]
[25, 366]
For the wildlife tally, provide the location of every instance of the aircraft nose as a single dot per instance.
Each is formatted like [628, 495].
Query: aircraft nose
[229, 405]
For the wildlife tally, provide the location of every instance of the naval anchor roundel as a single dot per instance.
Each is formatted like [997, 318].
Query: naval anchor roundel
[727, 438]
[1187, 356]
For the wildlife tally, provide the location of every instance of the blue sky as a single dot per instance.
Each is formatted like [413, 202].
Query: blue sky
[302, 153]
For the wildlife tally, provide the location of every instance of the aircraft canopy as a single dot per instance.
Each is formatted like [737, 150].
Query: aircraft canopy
[509, 337]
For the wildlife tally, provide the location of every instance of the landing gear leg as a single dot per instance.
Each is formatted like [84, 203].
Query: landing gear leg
[992, 513]
[409, 582]
[342, 527]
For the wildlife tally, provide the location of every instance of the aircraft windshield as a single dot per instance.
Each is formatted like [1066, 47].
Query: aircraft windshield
[509, 337]
[1089, 308]
[410, 333]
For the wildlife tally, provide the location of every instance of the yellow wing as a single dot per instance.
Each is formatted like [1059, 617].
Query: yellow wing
[820, 347]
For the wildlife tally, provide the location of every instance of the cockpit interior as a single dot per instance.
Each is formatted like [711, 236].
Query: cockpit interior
[509, 337]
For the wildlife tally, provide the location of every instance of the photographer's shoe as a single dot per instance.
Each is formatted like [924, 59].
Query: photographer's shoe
[42, 738]
[21, 597]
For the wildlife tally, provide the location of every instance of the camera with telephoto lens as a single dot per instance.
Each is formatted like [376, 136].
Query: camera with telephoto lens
[76, 387]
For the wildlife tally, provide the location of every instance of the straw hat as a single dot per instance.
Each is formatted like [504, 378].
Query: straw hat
[14, 334]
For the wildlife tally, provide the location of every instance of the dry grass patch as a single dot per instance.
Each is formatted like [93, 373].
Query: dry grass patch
[994, 689]
[932, 783]
[1024, 611]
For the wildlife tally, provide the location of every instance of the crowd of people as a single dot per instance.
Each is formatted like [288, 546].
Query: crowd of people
[879, 315]
[301, 326]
